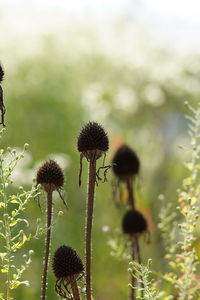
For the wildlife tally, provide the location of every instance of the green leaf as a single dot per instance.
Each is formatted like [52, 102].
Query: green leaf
[1, 296]
[24, 239]
[4, 270]
[14, 201]
[15, 284]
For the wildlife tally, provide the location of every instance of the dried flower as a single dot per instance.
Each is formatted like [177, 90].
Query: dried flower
[50, 175]
[68, 268]
[92, 141]
[125, 163]
[66, 262]
[134, 222]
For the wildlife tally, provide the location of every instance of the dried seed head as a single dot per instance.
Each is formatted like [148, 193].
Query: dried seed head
[134, 222]
[1, 74]
[125, 163]
[92, 141]
[50, 175]
[67, 263]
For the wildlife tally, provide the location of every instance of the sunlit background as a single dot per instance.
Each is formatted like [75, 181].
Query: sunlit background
[129, 65]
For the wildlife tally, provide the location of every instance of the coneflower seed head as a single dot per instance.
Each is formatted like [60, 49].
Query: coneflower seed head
[66, 262]
[125, 163]
[134, 222]
[92, 138]
[50, 175]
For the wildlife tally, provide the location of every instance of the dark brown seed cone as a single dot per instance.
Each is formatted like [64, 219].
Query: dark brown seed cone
[1, 74]
[125, 163]
[50, 175]
[134, 222]
[92, 138]
[66, 262]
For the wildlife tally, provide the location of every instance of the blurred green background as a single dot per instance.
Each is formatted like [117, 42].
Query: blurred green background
[59, 74]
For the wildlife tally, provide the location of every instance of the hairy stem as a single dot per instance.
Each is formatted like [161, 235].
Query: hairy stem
[75, 291]
[47, 243]
[89, 218]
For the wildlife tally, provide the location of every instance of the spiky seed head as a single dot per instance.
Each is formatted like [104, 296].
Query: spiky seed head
[134, 222]
[92, 141]
[67, 263]
[1, 73]
[125, 163]
[50, 176]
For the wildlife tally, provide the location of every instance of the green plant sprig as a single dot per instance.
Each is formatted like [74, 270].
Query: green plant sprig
[12, 223]
[142, 273]
[186, 261]
[181, 254]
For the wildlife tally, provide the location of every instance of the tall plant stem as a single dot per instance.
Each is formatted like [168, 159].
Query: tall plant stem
[135, 241]
[89, 218]
[131, 203]
[132, 291]
[47, 243]
[75, 291]
[7, 230]
[137, 246]
[131, 198]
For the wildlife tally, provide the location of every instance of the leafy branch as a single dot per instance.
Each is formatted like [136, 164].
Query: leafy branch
[12, 231]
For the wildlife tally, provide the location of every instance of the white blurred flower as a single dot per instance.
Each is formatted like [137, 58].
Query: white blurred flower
[126, 99]
[153, 95]
[91, 98]
[23, 173]
[105, 228]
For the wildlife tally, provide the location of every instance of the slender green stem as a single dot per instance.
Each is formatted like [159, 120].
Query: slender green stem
[47, 243]
[7, 231]
[89, 218]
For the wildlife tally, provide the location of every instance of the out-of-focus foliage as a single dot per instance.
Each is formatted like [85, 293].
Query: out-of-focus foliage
[182, 257]
[51, 91]
[180, 239]
[142, 273]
